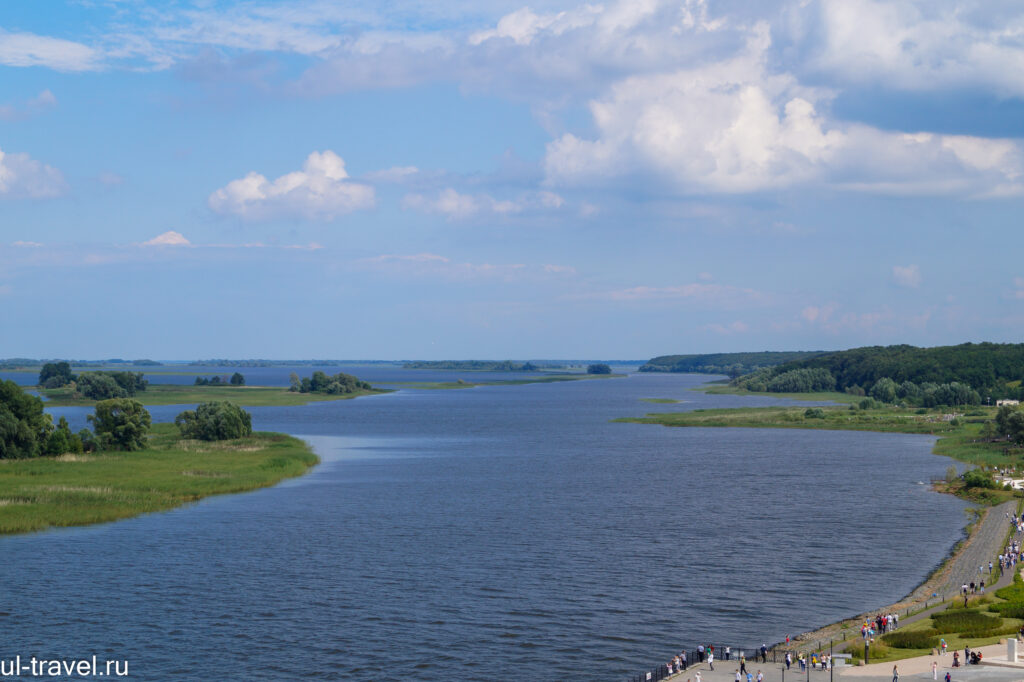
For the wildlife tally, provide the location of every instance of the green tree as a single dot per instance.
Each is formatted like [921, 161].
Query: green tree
[294, 384]
[24, 427]
[1003, 419]
[884, 390]
[55, 375]
[121, 424]
[599, 368]
[218, 420]
[989, 431]
[100, 386]
[62, 440]
[976, 478]
[237, 379]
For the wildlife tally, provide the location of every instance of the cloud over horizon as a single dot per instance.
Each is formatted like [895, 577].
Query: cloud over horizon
[320, 191]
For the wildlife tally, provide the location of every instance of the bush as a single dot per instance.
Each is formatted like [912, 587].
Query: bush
[920, 639]
[975, 478]
[814, 413]
[24, 428]
[599, 368]
[966, 620]
[218, 420]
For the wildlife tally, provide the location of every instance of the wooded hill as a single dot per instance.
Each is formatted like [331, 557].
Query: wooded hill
[992, 369]
[732, 364]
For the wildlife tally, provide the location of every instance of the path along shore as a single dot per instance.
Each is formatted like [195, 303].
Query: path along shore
[985, 543]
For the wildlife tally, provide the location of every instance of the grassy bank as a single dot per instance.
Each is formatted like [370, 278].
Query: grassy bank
[173, 394]
[447, 385]
[77, 490]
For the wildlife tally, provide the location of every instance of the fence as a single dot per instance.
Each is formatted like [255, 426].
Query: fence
[753, 656]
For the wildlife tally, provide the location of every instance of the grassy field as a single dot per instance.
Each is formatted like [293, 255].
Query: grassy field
[725, 389]
[660, 401]
[76, 490]
[447, 385]
[171, 394]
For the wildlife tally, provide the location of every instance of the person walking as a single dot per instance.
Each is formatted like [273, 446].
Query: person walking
[764, 653]
[711, 660]
[682, 659]
[760, 676]
[789, 660]
[895, 674]
[728, 653]
[737, 675]
[697, 677]
[935, 670]
[942, 643]
[700, 653]
[743, 663]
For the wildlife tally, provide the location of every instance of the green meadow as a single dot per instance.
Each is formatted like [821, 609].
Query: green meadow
[76, 490]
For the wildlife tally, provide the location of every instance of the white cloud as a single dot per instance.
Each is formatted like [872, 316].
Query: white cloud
[169, 238]
[29, 49]
[24, 177]
[27, 245]
[434, 265]
[915, 44]
[320, 191]
[907, 276]
[456, 205]
[43, 101]
[732, 127]
[395, 174]
[722, 295]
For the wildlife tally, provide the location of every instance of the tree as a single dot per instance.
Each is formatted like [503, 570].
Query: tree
[1003, 418]
[62, 440]
[976, 478]
[218, 420]
[884, 390]
[99, 386]
[293, 382]
[55, 375]
[599, 368]
[1015, 427]
[989, 431]
[121, 424]
[24, 427]
[237, 379]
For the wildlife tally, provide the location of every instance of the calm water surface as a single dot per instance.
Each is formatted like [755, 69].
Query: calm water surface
[452, 534]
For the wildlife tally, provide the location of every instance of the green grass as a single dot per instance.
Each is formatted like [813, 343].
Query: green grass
[717, 388]
[448, 385]
[660, 400]
[172, 394]
[77, 490]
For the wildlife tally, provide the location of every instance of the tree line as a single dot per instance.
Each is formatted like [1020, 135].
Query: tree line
[237, 379]
[26, 430]
[97, 385]
[731, 364]
[944, 375]
[321, 382]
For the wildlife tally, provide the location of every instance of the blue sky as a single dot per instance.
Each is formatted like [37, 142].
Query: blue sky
[490, 180]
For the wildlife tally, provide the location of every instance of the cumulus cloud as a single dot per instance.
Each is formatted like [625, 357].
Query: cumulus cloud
[733, 126]
[456, 205]
[23, 177]
[907, 276]
[914, 44]
[169, 238]
[320, 191]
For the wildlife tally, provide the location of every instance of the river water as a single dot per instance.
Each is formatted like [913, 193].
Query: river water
[506, 532]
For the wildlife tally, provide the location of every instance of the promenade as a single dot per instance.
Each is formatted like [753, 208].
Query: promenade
[985, 543]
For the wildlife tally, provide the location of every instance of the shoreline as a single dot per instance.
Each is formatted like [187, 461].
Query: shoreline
[943, 580]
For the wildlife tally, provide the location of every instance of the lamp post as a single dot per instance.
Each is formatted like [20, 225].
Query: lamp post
[831, 666]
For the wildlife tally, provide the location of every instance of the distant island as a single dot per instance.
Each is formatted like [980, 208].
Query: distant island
[483, 365]
[730, 364]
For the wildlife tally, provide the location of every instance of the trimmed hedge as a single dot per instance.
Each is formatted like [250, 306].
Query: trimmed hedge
[920, 639]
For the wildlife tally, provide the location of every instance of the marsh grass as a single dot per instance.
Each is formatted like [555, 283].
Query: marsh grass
[36, 494]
